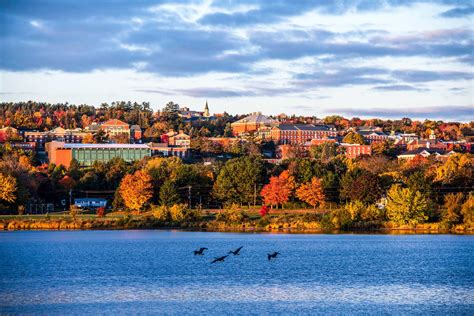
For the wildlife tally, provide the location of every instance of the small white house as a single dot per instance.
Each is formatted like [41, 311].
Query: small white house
[90, 202]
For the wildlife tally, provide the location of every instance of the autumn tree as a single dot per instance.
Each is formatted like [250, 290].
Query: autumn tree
[239, 180]
[354, 138]
[279, 190]
[88, 139]
[8, 188]
[311, 192]
[136, 190]
[405, 206]
[453, 205]
[361, 185]
[467, 211]
[168, 194]
[457, 170]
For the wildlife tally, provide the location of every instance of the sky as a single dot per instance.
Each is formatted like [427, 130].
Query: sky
[364, 58]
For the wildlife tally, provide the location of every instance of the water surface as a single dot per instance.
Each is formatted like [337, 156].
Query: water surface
[155, 272]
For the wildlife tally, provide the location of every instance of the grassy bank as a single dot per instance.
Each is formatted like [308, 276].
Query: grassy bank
[295, 222]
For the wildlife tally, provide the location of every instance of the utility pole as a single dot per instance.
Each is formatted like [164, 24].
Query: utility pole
[70, 198]
[189, 196]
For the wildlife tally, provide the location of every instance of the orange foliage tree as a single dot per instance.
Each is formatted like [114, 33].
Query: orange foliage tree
[311, 192]
[279, 190]
[136, 190]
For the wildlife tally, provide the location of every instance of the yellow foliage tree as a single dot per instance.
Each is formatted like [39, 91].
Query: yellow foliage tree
[457, 168]
[88, 139]
[311, 192]
[136, 190]
[8, 188]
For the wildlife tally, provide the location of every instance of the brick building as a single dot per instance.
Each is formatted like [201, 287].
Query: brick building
[251, 123]
[300, 133]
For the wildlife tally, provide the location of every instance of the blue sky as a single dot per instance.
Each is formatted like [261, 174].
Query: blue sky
[384, 58]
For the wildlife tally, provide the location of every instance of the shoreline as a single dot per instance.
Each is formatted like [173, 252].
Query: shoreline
[16, 224]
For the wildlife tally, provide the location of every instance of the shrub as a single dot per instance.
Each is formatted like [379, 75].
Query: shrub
[263, 211]
[161, 213]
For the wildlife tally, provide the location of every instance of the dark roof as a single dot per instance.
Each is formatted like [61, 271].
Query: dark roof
[366, 132]
[422, 149]
[303, 127]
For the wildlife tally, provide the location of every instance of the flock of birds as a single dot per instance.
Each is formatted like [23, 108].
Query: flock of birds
[236, 252]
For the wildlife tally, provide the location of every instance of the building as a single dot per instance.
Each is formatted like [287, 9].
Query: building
[320, 141]
[422, 152]
[174, 139]
[162, 149]
[251, 123]
[431, 143]
[300, 133]
[57, 134]
[189, 115]
[373, 136]
[61, 153]
[114, 127]
[90, 203]
[356, 150]
[135, 133]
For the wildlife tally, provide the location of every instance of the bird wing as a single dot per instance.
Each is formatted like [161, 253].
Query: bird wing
[238, 249]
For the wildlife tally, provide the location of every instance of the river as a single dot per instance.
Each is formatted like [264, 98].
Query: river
[149, 272]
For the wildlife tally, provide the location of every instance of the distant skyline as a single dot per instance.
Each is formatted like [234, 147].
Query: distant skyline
[366, 58]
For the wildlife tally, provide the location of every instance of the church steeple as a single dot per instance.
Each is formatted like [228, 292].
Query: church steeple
[206, 110]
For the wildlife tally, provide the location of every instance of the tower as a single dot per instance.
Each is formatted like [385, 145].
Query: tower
[206, 110]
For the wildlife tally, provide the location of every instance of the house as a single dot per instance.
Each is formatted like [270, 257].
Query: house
[300, 133]
[251, 124]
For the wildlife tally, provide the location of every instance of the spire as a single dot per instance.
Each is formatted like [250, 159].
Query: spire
[206, 110]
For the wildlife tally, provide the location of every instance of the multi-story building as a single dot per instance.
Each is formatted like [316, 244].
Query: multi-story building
[174, 139]
[300, 133]
[373, 136]
[115, 127]
[251, 124]
[162, 149]
[61, 153]
[356, 150]
[58, 134]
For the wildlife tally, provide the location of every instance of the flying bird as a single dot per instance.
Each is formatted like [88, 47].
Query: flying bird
[200, 252]
[236, 252]
[273, 255]
[219, 259]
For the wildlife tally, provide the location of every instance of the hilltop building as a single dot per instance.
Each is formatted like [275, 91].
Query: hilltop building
[61, 153]
[251, 123]
[115, 127]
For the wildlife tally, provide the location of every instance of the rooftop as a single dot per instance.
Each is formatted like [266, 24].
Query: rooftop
[71, 145]
[303, 127]
[256, 117]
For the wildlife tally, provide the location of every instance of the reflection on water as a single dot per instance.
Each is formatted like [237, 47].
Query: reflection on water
[155, 271]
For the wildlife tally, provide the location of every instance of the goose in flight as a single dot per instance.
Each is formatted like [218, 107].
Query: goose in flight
[200, 252]
[219, 259]
[236, 252]
[273, 255]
